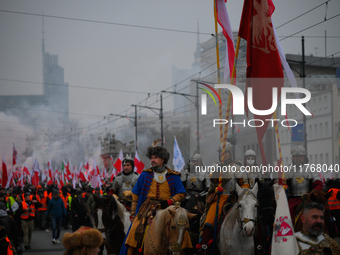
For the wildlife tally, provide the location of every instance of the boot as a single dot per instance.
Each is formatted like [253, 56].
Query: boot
[204, 247]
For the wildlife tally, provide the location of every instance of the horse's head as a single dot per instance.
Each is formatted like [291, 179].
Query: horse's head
[266, 199]
[176, 222]
[247, 207]
[319, 197]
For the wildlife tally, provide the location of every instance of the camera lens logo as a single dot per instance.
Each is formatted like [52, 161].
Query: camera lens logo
[204, 97]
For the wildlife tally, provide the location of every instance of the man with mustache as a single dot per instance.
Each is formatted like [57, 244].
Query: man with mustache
[311, 238]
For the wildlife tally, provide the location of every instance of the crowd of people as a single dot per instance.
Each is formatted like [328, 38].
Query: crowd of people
[158, 187]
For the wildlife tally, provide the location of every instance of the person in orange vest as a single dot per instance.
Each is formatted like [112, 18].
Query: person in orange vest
[8, 232]
[43, 198]
[64, 196]
[334, 206]
[28, 208]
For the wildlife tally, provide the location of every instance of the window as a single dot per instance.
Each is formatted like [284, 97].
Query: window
[315, 131]
[310, 132]
[325, 103]
[316, 159]
[321, 158]
[320, 130]
[311, 159]
[326, 129]
[320, 105]
[314, 104]
[326, 159]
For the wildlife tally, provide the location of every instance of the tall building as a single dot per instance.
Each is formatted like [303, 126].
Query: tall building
[55, 93]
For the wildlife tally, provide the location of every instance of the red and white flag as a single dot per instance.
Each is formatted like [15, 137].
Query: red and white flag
[95, 178]
[119, 160]
[86, 165]
[43, 174]
[263, 61]
[283, 240]
[15, 155]
[96, 171]
[36, 173]
[4, 176]
[139, 165]
[50, 175]
[223, 20]
[68, 174]
[21, 180]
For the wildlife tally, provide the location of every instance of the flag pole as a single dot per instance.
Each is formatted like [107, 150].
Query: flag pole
[233, 81]
[281, 175]
[221, 128]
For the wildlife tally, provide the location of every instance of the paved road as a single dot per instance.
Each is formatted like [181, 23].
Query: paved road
[42, 243]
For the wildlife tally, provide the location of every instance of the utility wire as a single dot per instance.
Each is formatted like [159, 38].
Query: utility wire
[105, 22]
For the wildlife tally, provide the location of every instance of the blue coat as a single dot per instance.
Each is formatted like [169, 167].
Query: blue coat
[142, 187]
[56, 207]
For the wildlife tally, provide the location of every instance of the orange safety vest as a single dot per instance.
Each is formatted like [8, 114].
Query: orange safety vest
[43, 201]
[26, 214]
[333, 201]
[9, 247]
[65, 199]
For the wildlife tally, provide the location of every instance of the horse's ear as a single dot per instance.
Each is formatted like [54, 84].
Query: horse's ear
[312, 197]
[328, 194]
[191, 215]
[238, 189]
[255, 189]
[172, 212]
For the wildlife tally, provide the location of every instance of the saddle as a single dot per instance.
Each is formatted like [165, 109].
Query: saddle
[147, 210]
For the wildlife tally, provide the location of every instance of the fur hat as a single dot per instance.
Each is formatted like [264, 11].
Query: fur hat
[160, 152]
[84, 236]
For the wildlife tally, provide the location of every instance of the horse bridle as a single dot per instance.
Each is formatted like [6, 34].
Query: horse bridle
[246, 220]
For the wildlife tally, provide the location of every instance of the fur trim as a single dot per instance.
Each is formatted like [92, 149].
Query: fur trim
[84, 236]
[160, 152]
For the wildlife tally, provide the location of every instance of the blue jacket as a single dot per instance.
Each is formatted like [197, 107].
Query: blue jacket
[56, 207]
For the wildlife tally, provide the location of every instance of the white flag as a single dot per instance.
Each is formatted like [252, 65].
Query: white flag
[178, 160]
[283, 241]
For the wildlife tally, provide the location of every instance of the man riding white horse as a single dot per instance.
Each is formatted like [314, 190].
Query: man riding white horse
[229, 180]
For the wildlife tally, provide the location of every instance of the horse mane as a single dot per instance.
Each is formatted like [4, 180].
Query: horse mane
[162, 217]
[120, 209]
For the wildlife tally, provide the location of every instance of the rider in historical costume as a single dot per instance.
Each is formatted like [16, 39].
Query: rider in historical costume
[300, 179]
[195, 181]
[229, 180]
[157, 188]
[124, 182]
[310, 239]
[250, 163]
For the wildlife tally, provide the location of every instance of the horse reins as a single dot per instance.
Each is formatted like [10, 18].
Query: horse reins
[246, 220]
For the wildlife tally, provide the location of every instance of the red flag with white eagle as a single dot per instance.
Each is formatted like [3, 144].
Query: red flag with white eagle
[223, 20]
[4, 176]
[139, 165]
[263, 61]
[118, 164]
[15, 155]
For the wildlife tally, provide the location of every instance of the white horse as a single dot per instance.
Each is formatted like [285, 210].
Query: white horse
[238, 228]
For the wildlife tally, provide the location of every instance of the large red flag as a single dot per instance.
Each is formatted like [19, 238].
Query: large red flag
[263, 60]
[15, 155]
[36, 173]
[4, 177]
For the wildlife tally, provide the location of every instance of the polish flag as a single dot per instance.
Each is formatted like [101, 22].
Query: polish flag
[68, 173]
[9, 181]
[4, 177]
[95, 178]
[118, 164]
[43, 175]
[15, 155]
[50, 175]
[21, 180]
[223, 20]
[86, 165]
[96, 171]
[36, 173]
[139, 165]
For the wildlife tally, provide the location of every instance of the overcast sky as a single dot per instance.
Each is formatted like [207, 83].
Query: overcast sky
[136, 59]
